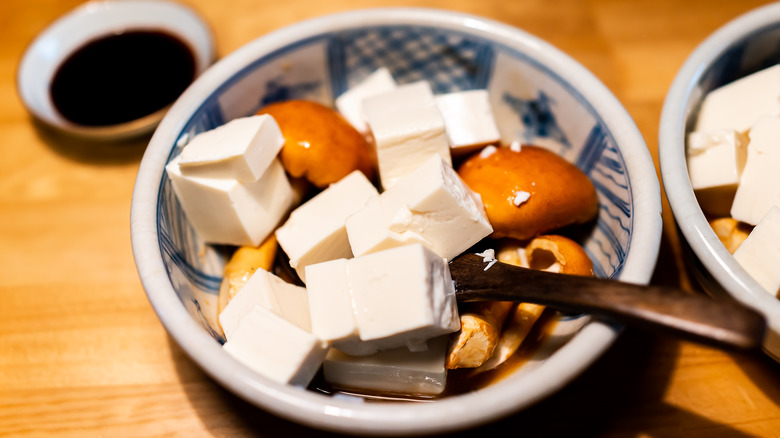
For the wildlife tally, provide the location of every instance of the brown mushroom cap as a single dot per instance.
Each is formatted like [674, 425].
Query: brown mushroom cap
[560, 193]
[320, 145]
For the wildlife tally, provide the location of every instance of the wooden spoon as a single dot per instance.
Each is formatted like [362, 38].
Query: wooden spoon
[716, 322]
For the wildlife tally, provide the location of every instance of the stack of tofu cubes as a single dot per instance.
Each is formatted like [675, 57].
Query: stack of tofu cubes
[733, 158]
[378, 302]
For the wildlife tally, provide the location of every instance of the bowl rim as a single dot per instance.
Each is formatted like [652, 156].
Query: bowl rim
[447, 414]
[87, 22]
[689, 217]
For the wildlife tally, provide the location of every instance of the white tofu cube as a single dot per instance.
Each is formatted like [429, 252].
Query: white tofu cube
[402, 297]
[469, 121]
[265, 289]
[715, 162]
[760, 252]
[330, 304]
[241, 149]
[739, 104]
[398, 371]
[227, 211]
[759, 187]
[316, 231]
[350, 103]
[408, 129]
[347, 308]
[369, 229]
[431, 206]
[276, 348]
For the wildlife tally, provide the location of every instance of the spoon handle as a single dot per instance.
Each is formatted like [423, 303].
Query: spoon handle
[696, 317]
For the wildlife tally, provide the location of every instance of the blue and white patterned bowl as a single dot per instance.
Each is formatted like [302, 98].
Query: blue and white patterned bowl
[745, 45]
[539, 95]
[90, 21]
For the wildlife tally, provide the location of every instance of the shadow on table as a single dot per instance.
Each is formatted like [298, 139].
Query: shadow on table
[759, 367]
[765, 372]
[622, 394]
[91, 151]
[224, 414]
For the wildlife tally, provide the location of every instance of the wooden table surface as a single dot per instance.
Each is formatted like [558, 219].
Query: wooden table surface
[83, 354]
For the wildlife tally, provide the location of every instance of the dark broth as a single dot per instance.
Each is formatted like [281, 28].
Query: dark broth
[122, 77]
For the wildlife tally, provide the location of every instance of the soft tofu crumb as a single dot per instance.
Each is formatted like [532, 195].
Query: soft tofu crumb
[520, 197]
[183, 140]
[489, 257]
[488, 151]
[515, 146]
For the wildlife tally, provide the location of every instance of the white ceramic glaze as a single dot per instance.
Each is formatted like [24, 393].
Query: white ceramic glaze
[740, 46]
[88, 22]
[167, 274]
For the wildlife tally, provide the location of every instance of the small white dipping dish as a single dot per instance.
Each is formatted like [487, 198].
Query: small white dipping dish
[92, 21]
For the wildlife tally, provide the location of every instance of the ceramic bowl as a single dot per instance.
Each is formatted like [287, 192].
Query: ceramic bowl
[92, 21]
[538, 94]
[747, 44]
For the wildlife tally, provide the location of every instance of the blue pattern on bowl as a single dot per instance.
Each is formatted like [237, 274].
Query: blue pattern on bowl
[531, 103]
[537, 117]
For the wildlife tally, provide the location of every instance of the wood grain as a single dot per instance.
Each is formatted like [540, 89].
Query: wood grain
[83, 354]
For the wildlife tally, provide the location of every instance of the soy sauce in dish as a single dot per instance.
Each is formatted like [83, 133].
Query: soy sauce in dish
[122, 77]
